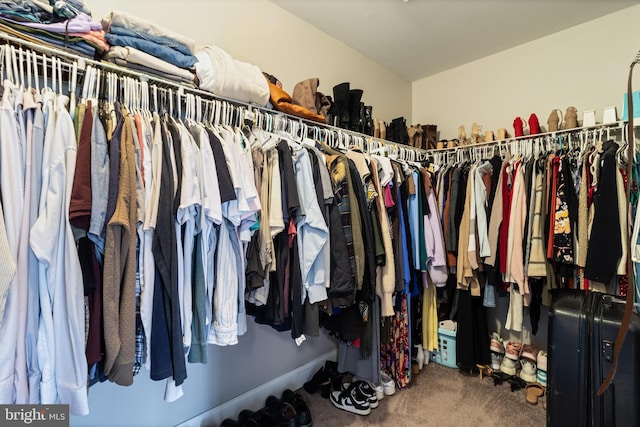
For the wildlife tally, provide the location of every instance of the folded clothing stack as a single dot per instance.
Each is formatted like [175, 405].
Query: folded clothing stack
[138, 43]
[67, 24]
[221, 74]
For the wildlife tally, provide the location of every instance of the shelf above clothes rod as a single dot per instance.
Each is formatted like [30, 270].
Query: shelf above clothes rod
[183, 88]
[619, 125]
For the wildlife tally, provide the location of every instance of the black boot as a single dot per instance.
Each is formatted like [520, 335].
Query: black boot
[400, 129]
[391, 132]
[368, 120]
[355, 118]
[341, 103]
[331, 114]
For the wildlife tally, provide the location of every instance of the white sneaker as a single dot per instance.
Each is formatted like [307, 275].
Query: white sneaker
[541, 376]
[389, 386]
[346, 401]
[496, 344]
[542, 360]
[496, 360]
[379, 391]
[508, 366]
[528, 372]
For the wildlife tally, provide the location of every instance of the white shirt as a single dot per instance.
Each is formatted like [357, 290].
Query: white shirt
[53, 243]
[11, 184]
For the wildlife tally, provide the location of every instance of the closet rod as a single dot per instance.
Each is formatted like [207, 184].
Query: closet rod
[183, 88]
[609, 126]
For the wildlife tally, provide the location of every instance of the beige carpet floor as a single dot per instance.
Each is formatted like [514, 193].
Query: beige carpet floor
[438, 396]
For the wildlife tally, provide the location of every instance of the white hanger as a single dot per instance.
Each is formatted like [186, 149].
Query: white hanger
[21, 65]
[155, 99]
[87, 82]
[28, 59]
[59, 76]
[14, 66]
[45, 71]
[72, 88]
[54, 76]
[170, 102]
[198, 109]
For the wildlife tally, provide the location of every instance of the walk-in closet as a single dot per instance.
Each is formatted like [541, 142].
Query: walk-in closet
[286, 213]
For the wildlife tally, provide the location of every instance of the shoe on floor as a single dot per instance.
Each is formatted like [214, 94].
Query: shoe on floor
[388, 384]
[315, 383]
[534, 391]
[345, 400]
[529, 352]
[496, 360]
[497, 343]
[508, 366]
[513, 350]
[363, 392]
[301, 407]
[542, 360]
[283, 412]
[541, 376]
[528, 372]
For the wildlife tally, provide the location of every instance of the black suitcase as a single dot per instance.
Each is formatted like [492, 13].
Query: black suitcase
[582, 330]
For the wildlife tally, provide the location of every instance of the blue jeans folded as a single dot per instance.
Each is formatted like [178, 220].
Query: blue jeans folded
[165, 53]
[163, 41]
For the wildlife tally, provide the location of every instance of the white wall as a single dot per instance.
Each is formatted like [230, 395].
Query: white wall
[278, 42]
[585, 66]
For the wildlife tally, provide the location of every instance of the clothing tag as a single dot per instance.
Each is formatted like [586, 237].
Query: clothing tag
[300, 340]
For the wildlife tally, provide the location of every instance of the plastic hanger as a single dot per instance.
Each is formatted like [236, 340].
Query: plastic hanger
[29, 85]
[72, 88]
[21, 65]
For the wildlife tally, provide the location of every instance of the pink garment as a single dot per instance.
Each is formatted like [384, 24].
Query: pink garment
[388, 200]
[434, 242]
[518, 217]
[95, 37]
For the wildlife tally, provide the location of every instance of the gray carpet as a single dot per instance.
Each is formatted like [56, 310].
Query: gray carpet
[438, 396]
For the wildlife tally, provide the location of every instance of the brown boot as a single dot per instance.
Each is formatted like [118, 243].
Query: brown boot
[440, 144]
[376, 128]
[415, 133]
[502, 134]
[430, 135]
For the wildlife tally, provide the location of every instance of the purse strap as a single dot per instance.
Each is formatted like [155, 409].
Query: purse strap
[628, 310]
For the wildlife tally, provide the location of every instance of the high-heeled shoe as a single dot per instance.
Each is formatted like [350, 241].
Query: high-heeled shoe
[534, 125]
[485, 371]
[571, 118]
[554, 120]
[518, 127]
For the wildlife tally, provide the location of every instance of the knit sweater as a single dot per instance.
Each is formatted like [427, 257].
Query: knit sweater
[120, 270]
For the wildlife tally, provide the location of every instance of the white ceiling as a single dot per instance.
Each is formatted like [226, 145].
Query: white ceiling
[418, 38]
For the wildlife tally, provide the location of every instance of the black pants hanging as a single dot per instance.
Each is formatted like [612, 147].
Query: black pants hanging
[472, 340]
